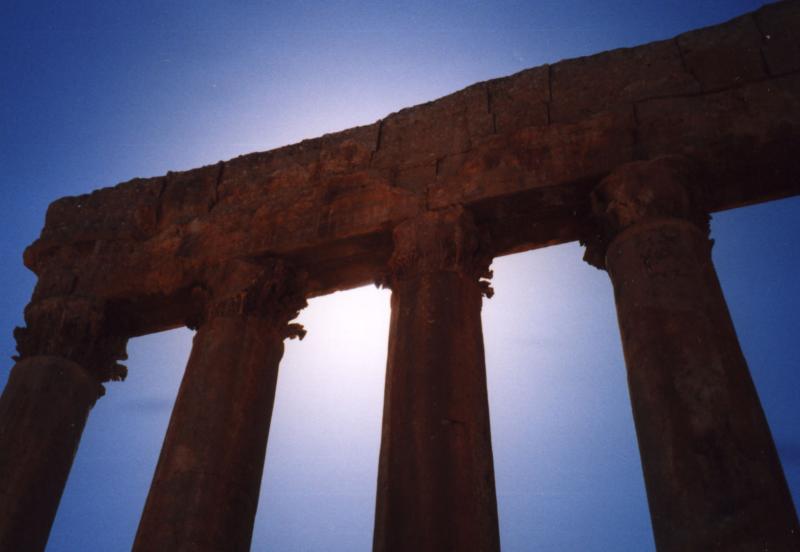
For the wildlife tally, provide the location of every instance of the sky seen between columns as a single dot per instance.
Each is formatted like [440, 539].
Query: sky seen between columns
[100, 92]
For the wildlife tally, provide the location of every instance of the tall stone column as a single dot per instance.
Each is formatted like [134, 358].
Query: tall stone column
[436, 479]
[65, 352]
[205, 489]
[713, 477]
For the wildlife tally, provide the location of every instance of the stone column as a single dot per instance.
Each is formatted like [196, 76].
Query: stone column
[436, 479]
[66, 352]
[205, 489]
[713, 478]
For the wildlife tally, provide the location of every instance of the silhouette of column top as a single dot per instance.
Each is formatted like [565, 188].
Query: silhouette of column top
[271, 289]
[74, 328]
[640, 192]
[446, 240]
[68, 348]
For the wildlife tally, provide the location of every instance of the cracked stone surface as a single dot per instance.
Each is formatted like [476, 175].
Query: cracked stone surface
[527, 147]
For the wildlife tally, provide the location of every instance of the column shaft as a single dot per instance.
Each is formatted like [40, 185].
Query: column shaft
[67, 349]
[436, 480]
[713, 477]
[205, 489]
[43, 410]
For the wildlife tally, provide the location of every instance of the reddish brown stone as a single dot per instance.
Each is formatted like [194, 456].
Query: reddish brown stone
[349, 150]
[205, 490]
[743, 138]
[188, 196]
[725, 55]
[584, 86]
[520, 100]
[427, 132]
[43, 410]
[66, 350]
[535, 157]
[488, 148]
[126, 211]
[713, 477]
[436, 480]
[417, 180]
[521, 154]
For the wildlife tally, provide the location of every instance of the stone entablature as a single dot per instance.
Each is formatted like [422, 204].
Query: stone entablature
[528, 147]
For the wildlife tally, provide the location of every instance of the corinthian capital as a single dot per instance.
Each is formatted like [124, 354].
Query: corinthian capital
[270, 289]
[642, 191]
[76, 328]
[437, 241]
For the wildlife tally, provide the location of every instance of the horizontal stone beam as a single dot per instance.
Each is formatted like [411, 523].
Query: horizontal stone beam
[520, 152]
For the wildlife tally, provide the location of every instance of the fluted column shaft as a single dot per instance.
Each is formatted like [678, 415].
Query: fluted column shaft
[713, 477]
[206, 485]
[65, 354]
[436, 479]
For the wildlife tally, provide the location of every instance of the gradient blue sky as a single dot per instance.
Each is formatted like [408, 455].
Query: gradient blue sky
[94, 93]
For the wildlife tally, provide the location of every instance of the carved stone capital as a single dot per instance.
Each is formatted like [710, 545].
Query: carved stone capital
[76, 328]
[640, 191]
[436, 241]
[270, 289]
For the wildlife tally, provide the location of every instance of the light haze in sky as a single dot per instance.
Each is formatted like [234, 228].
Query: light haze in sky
[96, 93]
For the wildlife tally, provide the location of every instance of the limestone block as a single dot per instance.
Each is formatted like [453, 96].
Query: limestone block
[520, 100]
[584, 86]
[536, 157]
[725, 55]
[424, 133]
[188, 195]
[128, 210]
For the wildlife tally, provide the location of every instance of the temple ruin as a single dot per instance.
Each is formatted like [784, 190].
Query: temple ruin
[628, 151]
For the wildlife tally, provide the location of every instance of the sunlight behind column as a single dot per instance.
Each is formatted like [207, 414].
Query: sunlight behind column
[322, 458]
[558, 400]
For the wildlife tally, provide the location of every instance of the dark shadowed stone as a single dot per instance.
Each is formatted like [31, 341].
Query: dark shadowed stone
[520, 100]
[779, 24]
[725, 55]
[43, 410]
[584, 86]
[189, 195]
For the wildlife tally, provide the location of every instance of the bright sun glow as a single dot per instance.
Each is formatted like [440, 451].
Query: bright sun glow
[338, 369]
[347, 322]
[322, 456]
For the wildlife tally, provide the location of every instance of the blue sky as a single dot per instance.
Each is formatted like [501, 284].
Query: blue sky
[95, 93]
